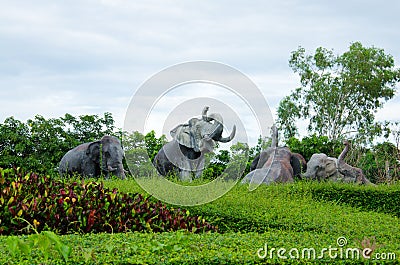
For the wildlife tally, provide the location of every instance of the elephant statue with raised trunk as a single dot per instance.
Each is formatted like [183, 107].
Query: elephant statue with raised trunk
[275, 164]
[102, 157]
[185, 153]
[322, 167]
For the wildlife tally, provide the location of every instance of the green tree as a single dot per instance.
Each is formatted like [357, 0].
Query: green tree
[314, 144]
[16, 146]
[339, 94]
[88, 128]
[154, 144]
[136, 156]
[39, 144]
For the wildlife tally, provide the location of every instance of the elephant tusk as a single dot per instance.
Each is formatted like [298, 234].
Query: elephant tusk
[111, 169]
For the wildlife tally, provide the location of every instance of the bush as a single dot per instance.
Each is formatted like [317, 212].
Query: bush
[49, 204]
[178, 248]
[303, 207]
[383, 199]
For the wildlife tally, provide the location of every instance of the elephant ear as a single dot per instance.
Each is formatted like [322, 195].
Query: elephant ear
[181, 133]
[188, 134]
[296, 165]
[93, 151]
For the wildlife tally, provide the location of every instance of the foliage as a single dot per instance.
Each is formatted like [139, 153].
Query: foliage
[154, 144]
[395, 130]
[46, 242]
[339, 93]
[379, 163]
[186, 248]
[83, 207]
[216, 163]
[301, 207]
[39, 144]
[88, 128]
[299, 215]
[140, 151]
[314, 144]
[136, 155]
[379, 199]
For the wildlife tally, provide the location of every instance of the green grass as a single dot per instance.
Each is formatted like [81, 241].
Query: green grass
[281, 216]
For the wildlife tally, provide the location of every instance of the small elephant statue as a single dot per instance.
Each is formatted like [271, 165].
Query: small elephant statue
[94, 159]
[275, 164]
[323, 167]
[185, 153]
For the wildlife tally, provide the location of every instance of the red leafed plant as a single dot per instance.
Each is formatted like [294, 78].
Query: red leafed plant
[85, 207]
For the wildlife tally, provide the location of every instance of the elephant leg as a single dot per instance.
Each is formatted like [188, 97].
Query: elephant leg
[198, 166]
[186, 171]
[185, 175]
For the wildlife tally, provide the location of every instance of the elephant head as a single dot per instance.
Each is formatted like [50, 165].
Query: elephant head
[321, 167]
[201, 134]
[108, 154]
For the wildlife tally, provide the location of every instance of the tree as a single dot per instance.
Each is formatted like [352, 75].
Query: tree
[339, 94]
[154, 144]
[39, 144]
[313, 144]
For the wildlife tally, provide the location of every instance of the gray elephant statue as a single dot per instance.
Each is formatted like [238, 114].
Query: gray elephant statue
[322, 167]
[185, 153]
[275, 164]
[94, 159]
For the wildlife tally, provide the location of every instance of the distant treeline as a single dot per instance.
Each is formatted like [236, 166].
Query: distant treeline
[38, 145]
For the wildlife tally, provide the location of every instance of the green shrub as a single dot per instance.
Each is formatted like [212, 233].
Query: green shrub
[188, 248]
[299, 207]
[383, 198]
[49, 204]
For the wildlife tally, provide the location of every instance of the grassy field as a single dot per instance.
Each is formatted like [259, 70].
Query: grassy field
[297, 223]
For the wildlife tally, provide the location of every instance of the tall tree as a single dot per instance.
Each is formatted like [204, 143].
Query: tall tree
[339, 94]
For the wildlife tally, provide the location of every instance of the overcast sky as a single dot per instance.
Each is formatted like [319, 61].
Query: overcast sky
[89, 57]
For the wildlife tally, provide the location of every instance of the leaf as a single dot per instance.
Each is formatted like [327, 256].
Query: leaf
[64, 250]
[88, 254]
[12, 245]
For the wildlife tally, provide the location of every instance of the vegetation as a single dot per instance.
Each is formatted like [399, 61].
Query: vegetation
[39, 144]
[48, 204]
[289, 216]
[339, 94]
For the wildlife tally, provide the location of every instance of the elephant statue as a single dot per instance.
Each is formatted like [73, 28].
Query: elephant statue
[322, 167]
[275, 164]
[185, 153]
[94, 159]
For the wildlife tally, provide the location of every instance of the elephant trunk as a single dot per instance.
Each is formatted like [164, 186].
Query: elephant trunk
[230, 137]
[217, 132]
